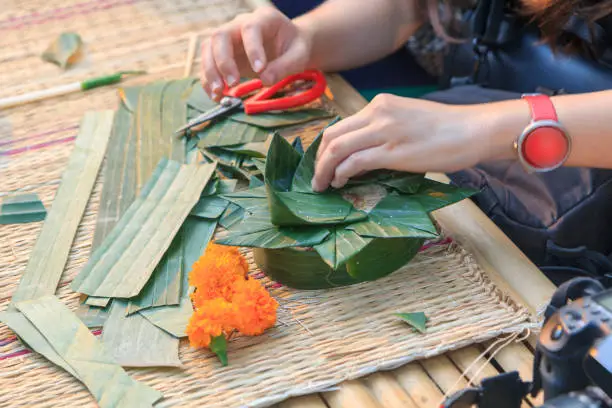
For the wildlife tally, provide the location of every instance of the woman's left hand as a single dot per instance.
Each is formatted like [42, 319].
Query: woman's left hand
[398, 134]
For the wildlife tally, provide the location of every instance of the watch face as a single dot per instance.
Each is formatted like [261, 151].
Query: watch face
[543, 146]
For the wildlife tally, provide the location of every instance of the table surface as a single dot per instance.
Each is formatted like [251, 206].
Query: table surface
[423, 384]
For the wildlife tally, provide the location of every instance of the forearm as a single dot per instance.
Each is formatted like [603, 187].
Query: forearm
[345, 35]
[586, 118]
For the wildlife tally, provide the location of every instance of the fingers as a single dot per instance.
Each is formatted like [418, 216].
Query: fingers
[252, 41]
[223, 53]
[290, 62]
[350, 124]
[211, 78]
[341, 149]
[361, 162]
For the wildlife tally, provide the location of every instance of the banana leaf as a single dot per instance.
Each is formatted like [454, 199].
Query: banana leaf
[303, 268]
[298, 146]
[433, 195]
[82, 354]
[22, 209]
[232, 215]
[288, 208]
[340, 246]
[255, 149]
[281, 164]
[50, 253]
[396, 216]
[199, 101]
[65, 50]
[255, 182]
[209, 207]
[277, 237]
[418, 320]
[256, 192]
[277, 120]
[229, 133]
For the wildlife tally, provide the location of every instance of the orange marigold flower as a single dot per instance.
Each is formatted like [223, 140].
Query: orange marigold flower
[256, 309]
[214, 274]
[216, 316]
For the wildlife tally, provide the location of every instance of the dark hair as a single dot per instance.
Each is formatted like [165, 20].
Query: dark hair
[551, 16]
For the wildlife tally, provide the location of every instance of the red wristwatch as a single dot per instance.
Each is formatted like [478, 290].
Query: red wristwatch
[544, 145]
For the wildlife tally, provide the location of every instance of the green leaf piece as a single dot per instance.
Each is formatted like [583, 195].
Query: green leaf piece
[418, 320]
[278, 238]
[302, 181]
[209, 207]
[277, 120]
[65, 50]
[124, 262]
[229, 133]
[433, 195]
[281, 164]
[255, 149]
[136, 342]
[255, 182]
[298, 146]
[22, 209]
[199, 101]
[218, 345]
[50, 253]
[58, 334]
[197, 233]
[396, 216]
[292, 208]
[164, 286]
[232, 215]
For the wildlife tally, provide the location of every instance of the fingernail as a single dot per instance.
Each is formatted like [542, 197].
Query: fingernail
[216, 86]
[230, 80]
[257, 65]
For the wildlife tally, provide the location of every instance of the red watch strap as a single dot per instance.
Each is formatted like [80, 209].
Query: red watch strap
[541, 107]
[545, 146]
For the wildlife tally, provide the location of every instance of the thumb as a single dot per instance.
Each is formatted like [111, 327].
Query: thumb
[291, 62]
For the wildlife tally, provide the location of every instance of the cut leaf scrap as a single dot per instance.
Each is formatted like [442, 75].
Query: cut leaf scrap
[22, 209]
[126, 259]
[418, 320]
[65, 50]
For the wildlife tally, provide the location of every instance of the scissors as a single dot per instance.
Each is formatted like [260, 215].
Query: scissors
[262, 101]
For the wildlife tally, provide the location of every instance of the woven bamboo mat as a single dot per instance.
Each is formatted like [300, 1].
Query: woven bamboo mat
[322, 337]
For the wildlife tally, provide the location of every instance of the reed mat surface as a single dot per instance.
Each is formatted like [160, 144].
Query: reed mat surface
[322, 337]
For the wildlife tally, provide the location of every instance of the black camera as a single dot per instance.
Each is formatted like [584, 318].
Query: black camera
[573, 357]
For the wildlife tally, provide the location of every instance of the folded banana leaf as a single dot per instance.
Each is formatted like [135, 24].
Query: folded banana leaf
[277, 120]
[361, 232]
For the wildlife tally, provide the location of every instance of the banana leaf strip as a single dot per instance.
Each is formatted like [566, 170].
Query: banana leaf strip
[229, 133]
[126, 259]
[82, 354]
[396, 216]
[232, 215]
[225, 157]
[256, 192]
[281, 164]
[277, 120]
[433, 195]
[418, 320]
[199, 101]
[22, 209]
[196, 233]
[50, 253]
[218, 345]
[289, 208]
[65, 50]
[97, 301]
[136, 342]
[164, 287]
[209, 207]
[278, 237]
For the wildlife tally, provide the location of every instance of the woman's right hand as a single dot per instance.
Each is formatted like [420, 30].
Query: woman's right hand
[264, 43]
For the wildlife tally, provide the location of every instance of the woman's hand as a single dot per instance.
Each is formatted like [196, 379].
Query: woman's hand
[402, 134]
[265, 43]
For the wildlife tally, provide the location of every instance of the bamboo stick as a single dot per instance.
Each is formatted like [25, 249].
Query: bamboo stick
[423, 391]
[352, 394]
[388, 391]
[307, 401]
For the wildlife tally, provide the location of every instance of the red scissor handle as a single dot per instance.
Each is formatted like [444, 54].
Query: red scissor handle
[263, 101]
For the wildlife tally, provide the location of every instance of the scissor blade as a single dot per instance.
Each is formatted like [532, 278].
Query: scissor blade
[210, 114]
